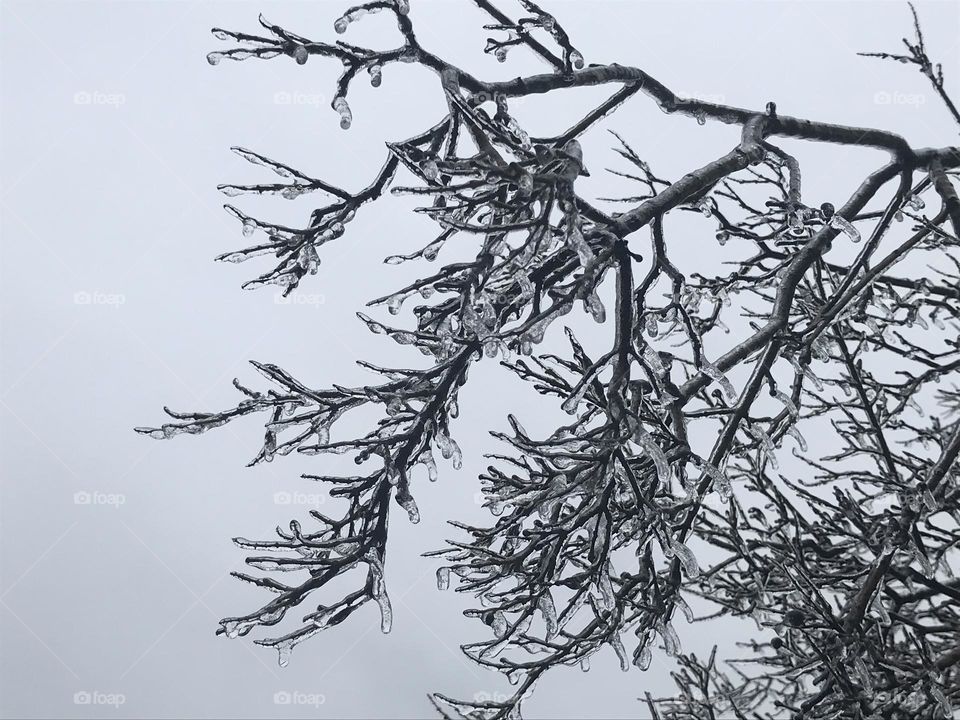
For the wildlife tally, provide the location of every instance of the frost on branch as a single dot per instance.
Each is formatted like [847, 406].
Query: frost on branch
[678, 484]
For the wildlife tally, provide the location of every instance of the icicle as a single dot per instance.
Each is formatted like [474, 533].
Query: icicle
[684, 608]
[839, 222]
[343, 109]
[788, 403]
[499, 623]
[575, 240]
[795, 434]
[644, 658]
[766, 444]
[571, 404]
[284, 651]
[594, 305]
[607, 597]
[716, 374]
[671, 643]
[860, 668]
[617, 644]
[549, 611]
[653, 359]
[443, 578]
[946, 709]
[720, 481]
[649, 446]
[687, 559]
[881, 610]
[410, 505]
[427, 460]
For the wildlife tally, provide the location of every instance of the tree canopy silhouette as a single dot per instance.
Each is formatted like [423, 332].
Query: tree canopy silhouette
[664, 483]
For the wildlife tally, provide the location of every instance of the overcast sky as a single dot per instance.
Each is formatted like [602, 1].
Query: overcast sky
[115, 131]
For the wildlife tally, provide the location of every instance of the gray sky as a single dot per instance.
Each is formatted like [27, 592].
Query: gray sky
[115, 131]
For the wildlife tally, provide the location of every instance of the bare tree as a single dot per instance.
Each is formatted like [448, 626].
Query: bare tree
[844, 566]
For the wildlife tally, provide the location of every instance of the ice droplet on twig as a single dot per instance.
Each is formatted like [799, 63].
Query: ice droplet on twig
[915, 202]
[301, 54]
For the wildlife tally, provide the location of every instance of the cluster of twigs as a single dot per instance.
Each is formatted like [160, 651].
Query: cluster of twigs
[670, 452]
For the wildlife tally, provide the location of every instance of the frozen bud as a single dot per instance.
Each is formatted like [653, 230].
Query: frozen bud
[301, 55]
[576, 59]
[376, 75]
[525, 183]
[430, 169]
